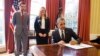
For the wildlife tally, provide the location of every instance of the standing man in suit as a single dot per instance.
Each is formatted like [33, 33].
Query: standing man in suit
[21, 23]
[42, 27]
[63, 35]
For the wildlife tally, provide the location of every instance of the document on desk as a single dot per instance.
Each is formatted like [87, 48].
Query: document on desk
[80, 46]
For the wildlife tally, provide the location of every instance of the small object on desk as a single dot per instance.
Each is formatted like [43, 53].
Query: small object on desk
[73, 42]
[79, 46]
[97, 40]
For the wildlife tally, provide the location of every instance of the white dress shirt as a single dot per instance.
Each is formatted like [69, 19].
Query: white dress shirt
[43, 23]
[60, 32]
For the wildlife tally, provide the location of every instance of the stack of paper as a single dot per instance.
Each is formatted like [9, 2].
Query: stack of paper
[80, 46]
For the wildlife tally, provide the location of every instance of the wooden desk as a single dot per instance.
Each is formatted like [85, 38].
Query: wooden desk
[56, 50]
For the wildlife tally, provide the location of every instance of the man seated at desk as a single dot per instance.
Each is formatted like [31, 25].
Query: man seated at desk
[63, 35]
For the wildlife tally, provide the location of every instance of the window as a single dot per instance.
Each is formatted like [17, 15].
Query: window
[35, 9]
[71, 14]
[2, 24]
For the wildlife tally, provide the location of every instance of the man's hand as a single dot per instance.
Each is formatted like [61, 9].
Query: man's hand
[73, 42]
[61, 42]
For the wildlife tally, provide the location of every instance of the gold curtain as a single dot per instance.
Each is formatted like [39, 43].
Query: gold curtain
[95, 17]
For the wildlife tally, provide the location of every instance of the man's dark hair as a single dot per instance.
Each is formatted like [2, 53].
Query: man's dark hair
[21, 2]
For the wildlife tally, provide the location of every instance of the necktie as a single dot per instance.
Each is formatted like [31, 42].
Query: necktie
[22, 16]
[62, 35]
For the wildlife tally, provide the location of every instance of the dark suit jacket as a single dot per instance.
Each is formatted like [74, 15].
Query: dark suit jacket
[37, 26]
[69, 33]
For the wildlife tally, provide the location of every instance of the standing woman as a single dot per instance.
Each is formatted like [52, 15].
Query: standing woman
[42, 27]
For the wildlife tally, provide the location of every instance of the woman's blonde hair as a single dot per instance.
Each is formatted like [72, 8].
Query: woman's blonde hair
[40, 13]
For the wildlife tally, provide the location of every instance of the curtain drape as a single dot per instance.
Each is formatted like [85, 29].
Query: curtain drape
[84, 19]
[53, 7]
[62, 5]
[8, 34]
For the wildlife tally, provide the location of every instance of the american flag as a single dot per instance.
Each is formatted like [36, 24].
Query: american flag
[14, 8]
[10, 39]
